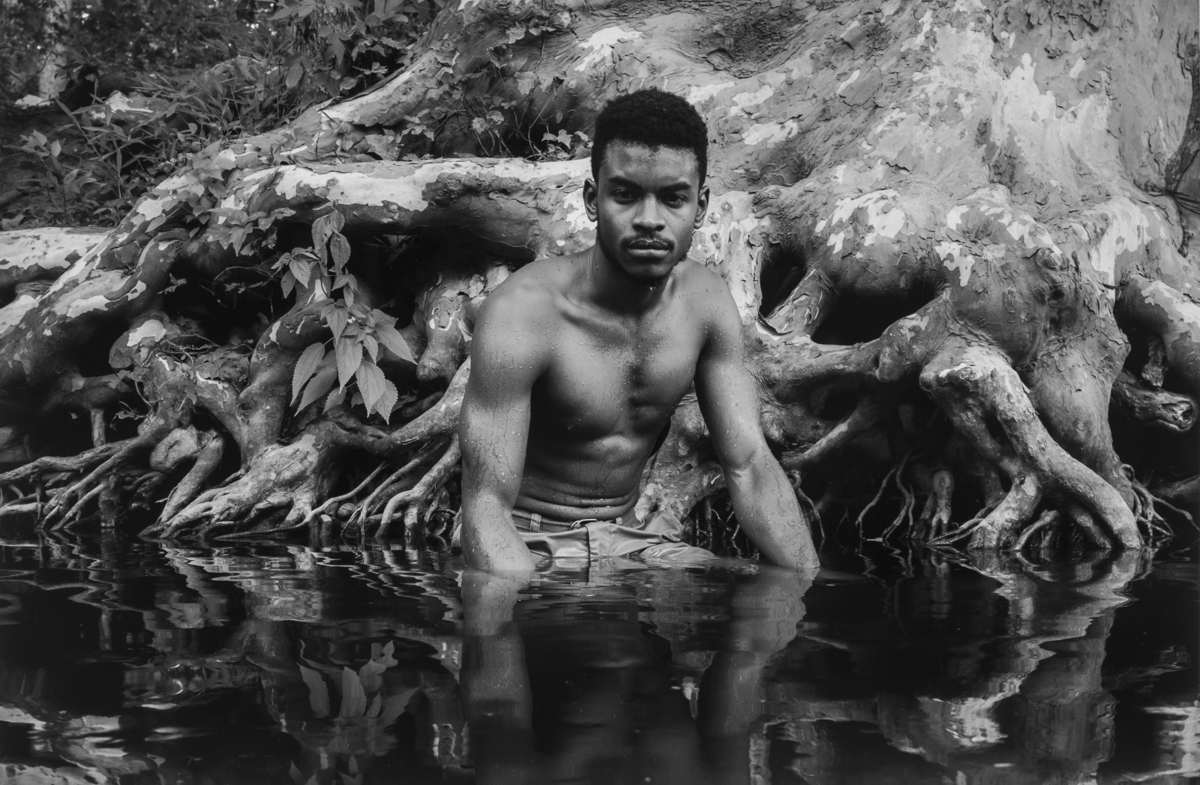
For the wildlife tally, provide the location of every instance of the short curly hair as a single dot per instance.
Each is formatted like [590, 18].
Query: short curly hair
[653, 118]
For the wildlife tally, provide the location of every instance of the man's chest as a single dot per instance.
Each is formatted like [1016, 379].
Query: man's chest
[604, 382]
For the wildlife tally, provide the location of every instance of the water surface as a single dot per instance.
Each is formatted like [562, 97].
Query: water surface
[131, 662]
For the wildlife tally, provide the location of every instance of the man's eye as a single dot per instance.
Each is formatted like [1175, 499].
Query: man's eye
[622, 194]
[674, 200]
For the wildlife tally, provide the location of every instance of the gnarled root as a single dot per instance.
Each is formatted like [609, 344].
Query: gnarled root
[287, 477]
[211, 450]
[418, 498]
[66, 487]
[982, 394]
[1162, 309]
[1155, 407]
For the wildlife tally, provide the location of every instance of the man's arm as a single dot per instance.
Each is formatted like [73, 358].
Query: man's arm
[763, 499]
[495, 681]
[494, 428]
[765, 610]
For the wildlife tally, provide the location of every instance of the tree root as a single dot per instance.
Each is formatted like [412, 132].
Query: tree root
[284, 476]
[370, 506]
[977, 388]
[997, 529]
[1155, 407]
[937, 513]
[56, 463]
[1047, 521]
[65, 505]
[1162, 309]
[1155, 527]
[331, 505]
[862, 420]
[435, 477]
[186, 489]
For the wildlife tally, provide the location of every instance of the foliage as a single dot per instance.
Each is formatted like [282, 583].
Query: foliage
[359, 334]
[66, 186]
[339, 47]
[209, 71]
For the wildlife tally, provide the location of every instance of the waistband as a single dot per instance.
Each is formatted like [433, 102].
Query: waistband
[536, 522]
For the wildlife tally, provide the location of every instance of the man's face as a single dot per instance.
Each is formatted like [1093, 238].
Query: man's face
[646, 202]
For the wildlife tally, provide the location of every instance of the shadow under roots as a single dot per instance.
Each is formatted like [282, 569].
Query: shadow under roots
[855, 319]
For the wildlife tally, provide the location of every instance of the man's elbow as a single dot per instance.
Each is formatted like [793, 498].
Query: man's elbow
[748, 466]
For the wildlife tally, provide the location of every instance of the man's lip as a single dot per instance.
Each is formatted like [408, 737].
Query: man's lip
[653, 252]
[648, 245]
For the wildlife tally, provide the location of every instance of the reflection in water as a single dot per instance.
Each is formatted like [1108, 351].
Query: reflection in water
[597, 682]
[134, 663]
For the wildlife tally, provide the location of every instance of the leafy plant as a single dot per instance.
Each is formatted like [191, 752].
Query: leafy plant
[358, 334]
[69, 186]
[340, 47]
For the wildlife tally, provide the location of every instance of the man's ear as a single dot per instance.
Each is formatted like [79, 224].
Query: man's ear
[701, 207]
[590, 195]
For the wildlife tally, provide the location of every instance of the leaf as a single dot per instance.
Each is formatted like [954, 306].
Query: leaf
[371, 345]
[321, 383]
[394, 342]
[318, 693]
[301, 270]
[349, 356]
[336, 317]
[325, 227]
[388, 401]
[294, 75]
[371, 383]
[335, 398]
[354, 700]
[306, 366]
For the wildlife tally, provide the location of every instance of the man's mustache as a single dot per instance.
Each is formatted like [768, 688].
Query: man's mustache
[649, 243]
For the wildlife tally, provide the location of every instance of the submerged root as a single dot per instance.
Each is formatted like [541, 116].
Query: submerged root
[396, 482]
[419, 494]
[935, 517]
[1042, 526]
[330, 506]
[1154, 526]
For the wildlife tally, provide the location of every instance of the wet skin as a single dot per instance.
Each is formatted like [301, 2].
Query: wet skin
[579, 362]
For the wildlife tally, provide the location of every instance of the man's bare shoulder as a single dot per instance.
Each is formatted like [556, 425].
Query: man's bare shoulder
[527, 302]
[705, 291]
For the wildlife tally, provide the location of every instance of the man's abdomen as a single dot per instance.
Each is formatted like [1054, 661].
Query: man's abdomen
[597, 479]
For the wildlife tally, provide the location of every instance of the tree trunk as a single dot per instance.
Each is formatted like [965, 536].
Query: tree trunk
[951, 228]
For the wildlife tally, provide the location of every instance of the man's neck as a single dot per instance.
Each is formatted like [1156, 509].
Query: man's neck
[611, 288]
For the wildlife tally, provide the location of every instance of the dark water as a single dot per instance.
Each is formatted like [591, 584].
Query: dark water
[135, 663]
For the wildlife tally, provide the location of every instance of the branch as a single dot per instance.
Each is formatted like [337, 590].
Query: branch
[1160, 408]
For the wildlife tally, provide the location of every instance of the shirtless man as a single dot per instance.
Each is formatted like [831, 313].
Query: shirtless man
[578, 363]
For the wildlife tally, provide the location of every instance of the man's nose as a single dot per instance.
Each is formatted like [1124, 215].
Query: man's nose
[648, 216]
